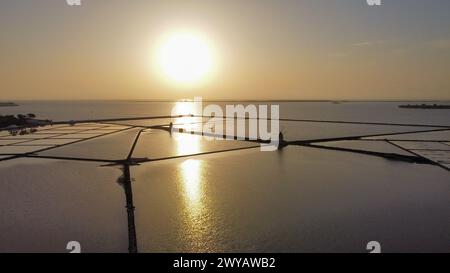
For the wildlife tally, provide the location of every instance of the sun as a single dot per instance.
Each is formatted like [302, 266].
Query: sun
[185, 57]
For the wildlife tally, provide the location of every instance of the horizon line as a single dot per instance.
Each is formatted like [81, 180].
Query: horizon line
[229, 100]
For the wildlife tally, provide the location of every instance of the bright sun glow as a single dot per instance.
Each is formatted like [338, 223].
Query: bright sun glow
[185, 57]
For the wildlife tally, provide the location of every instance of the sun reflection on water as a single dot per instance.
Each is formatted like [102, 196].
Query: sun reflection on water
[189, 124]
[191, 169]
[196, 213]
[191, 176]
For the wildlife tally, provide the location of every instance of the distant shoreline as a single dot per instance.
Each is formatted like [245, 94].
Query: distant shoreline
[424, 106]
[8, 104]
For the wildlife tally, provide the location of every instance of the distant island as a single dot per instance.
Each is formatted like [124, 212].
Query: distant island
[7, 104]
[425, 106]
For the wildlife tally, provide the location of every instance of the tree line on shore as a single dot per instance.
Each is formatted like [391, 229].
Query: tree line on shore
[22, 123]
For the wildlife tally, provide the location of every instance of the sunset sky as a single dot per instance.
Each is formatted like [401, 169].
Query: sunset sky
[278, 49]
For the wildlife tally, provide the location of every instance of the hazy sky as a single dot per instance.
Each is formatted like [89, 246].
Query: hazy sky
[278, 49]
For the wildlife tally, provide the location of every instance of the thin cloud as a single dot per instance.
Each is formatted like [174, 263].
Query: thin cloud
[368, 43]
